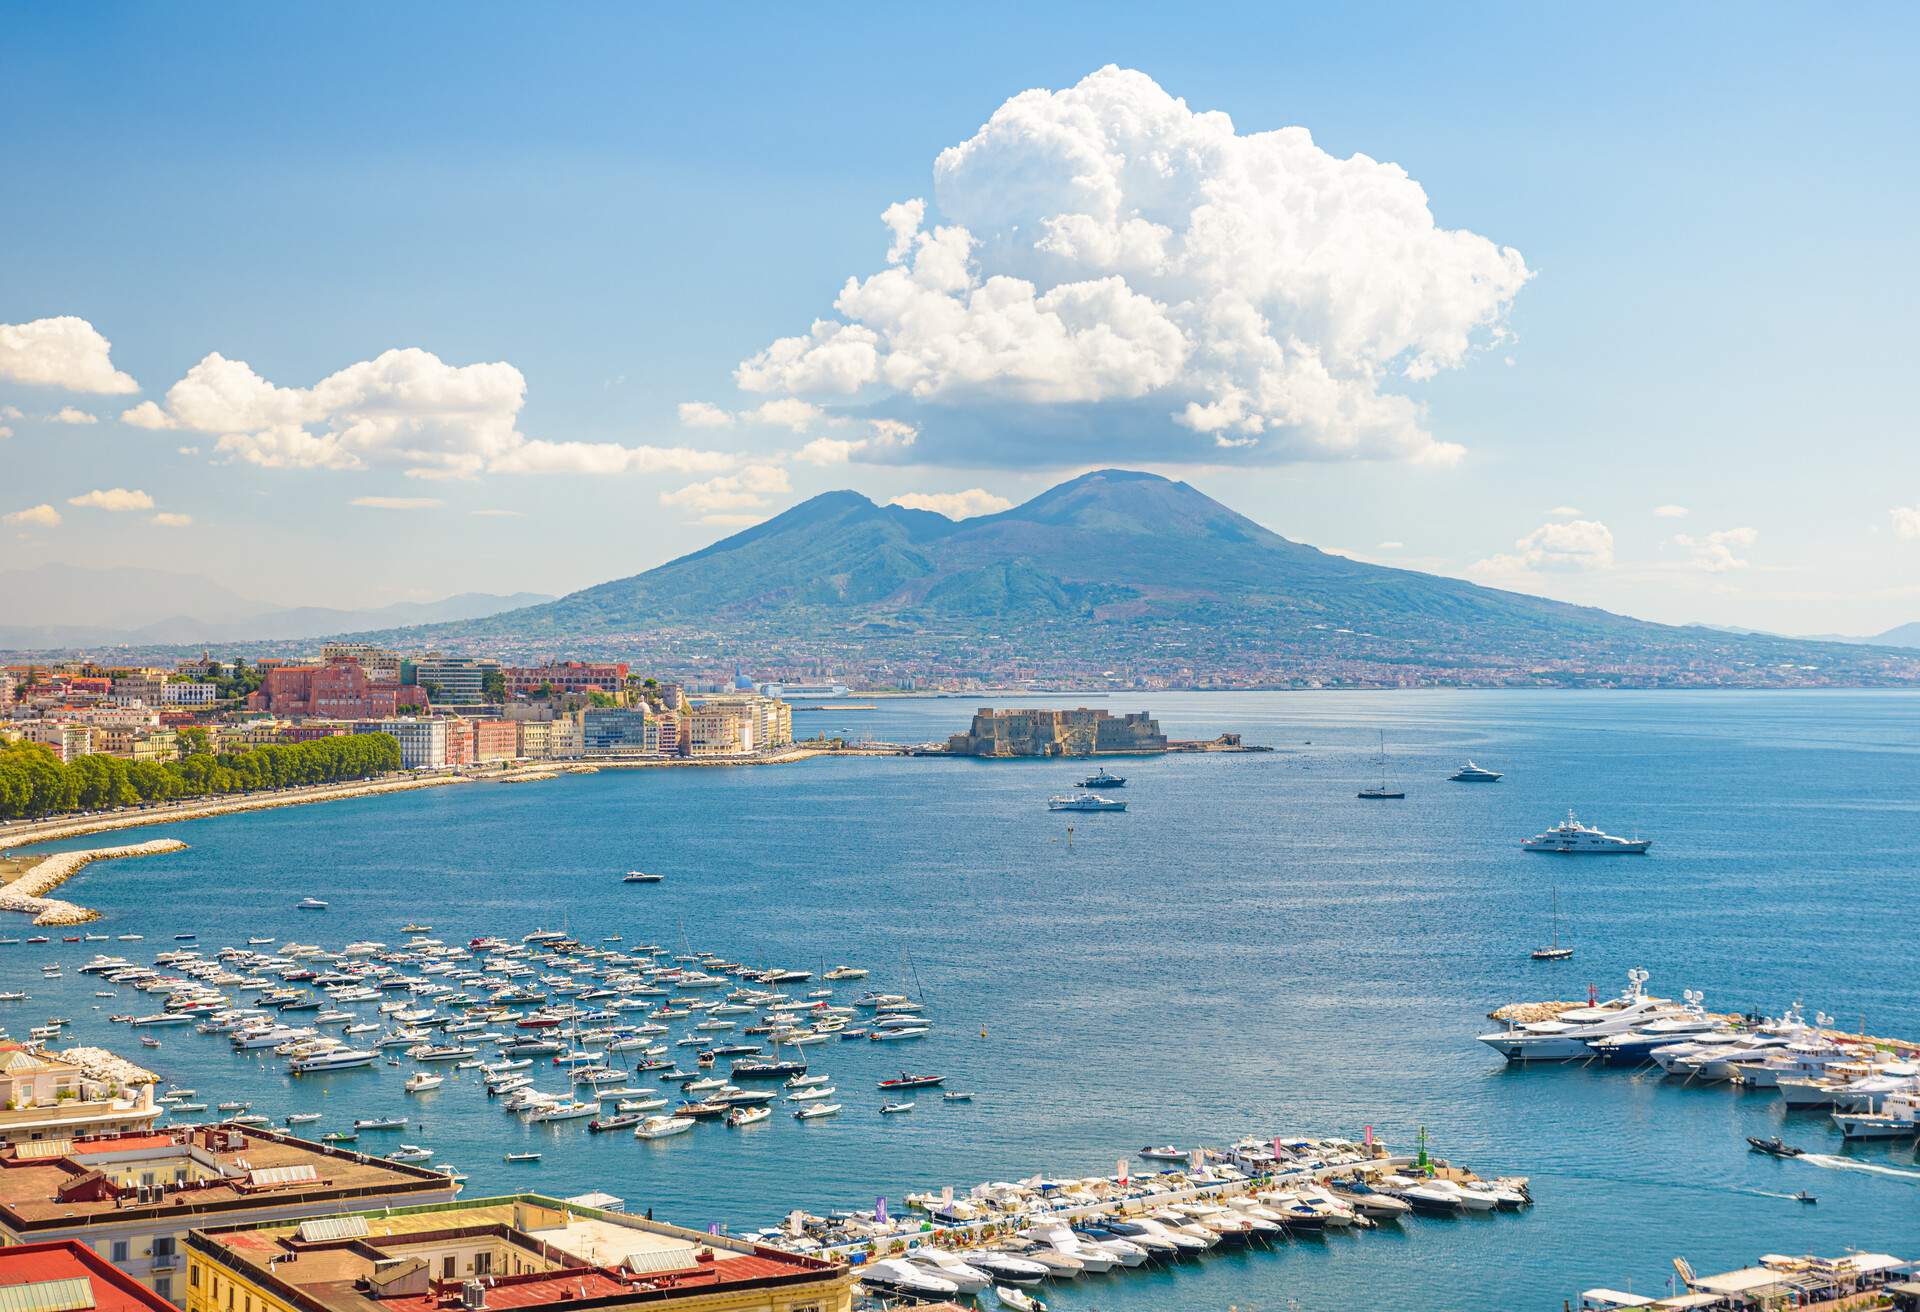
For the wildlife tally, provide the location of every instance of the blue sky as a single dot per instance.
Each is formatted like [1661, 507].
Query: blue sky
[1710, 307]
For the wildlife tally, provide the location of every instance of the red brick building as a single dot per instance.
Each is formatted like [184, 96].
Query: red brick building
[569, 676]
[338, 690]
[459, 741]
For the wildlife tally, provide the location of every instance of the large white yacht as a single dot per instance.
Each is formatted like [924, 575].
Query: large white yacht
[1565, 1039]
[1571, 838]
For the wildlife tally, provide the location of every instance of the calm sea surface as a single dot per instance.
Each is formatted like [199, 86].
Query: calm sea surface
[1249, 949]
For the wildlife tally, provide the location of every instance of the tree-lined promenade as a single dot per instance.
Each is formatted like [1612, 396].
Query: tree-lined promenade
[34, 782]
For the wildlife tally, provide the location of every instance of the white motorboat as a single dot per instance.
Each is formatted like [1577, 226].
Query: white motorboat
[910, 1278]
[410, 1152]
[966, 1277]
[812, 1093]
[660, 1127]
[1018, 1301]
[1571, 838]
[1566, 1038]
[1897, 1118]
[562, 1110]
[337, 1059]
[422, 1081]
[310, 904]
[1085, 802]
[1007, 1267]
[815, 1111]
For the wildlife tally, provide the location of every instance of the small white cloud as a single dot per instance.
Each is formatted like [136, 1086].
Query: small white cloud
[785, 412]
[398, 503]
[1577, 546]
[1564, 512]
[540, 457]
[113, 498]
[703, 414]
[11, 412]
[1390, 546]
[169, 519]
[68, 414]
[1670, 512]
[40, 516]
[188, 450]
[1906, 522]
[1234, 443]
[65, 352]
[1714, 552]
[499, 514]
[884, 435]
[955, 505]
[147, 415]
[5, 432]
[749, 489]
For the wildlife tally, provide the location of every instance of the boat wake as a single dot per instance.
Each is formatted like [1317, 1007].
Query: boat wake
[1833, 1163]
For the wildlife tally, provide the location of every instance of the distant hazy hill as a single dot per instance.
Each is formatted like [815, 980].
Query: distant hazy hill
[1117, 566]
[67, 606]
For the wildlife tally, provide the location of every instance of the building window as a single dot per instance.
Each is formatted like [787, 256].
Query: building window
[163, 1286]
[449, 1267]
[120, 1250]
[193, 1277]
[482, 1264]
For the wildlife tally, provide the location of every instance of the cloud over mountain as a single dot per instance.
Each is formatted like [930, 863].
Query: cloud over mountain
[1104, 267]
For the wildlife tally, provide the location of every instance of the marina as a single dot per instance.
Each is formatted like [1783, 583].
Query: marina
[1131, 992]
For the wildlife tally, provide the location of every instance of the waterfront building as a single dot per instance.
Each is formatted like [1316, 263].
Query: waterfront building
[49, 1096]
[524, 1252]
[576, 677]
[459, 740]
[663, 733]
[736, 724]
[533, 739]
[613, 731]
[1033, 731]
[494, 740]
[423, 742]
[70, 1277]
[69, 741]
[134, 1197]
[453, 680]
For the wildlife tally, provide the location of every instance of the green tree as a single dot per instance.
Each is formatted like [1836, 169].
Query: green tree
[493, 686]
[193, 740]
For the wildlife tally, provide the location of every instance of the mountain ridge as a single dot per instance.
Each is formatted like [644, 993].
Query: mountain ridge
[1125, 568]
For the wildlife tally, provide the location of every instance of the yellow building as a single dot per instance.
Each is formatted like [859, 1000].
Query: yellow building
[44, 1095]
[524, 1252]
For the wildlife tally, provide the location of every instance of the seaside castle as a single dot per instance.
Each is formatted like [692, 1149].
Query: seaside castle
[1037, 732]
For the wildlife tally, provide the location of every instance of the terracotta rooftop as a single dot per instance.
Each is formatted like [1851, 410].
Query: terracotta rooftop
[222, 1178]
[113, 1289]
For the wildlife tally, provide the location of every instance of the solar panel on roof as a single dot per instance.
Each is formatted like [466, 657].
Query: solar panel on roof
[67, 1294]
[300, 1174]
[662, 1259]
[333, 1227]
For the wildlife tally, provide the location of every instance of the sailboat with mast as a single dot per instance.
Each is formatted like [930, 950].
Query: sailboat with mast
[1553, 951]
[1382, 793]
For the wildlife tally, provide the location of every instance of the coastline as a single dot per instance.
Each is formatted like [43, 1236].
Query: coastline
[55, 828]
[27, 893]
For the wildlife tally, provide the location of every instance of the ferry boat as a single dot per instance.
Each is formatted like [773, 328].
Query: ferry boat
[1101, 779]
[1571, 838]
[1085, 802]
[1473, 774]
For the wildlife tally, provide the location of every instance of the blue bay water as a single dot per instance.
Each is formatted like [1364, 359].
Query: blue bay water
[1249, 949]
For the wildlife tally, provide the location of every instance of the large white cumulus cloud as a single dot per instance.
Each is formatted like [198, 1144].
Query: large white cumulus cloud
[404, 407]
[1104, 261]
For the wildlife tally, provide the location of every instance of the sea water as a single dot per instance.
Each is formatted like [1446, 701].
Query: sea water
[1249, 949]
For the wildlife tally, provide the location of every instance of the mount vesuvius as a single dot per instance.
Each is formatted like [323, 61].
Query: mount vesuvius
[1125, 574]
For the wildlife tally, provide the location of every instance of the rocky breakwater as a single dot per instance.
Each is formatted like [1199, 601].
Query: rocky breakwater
[28, 893]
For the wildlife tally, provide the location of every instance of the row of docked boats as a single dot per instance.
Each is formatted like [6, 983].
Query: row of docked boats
[1870, 1092]
[506, 1014]
[1015, 1236]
